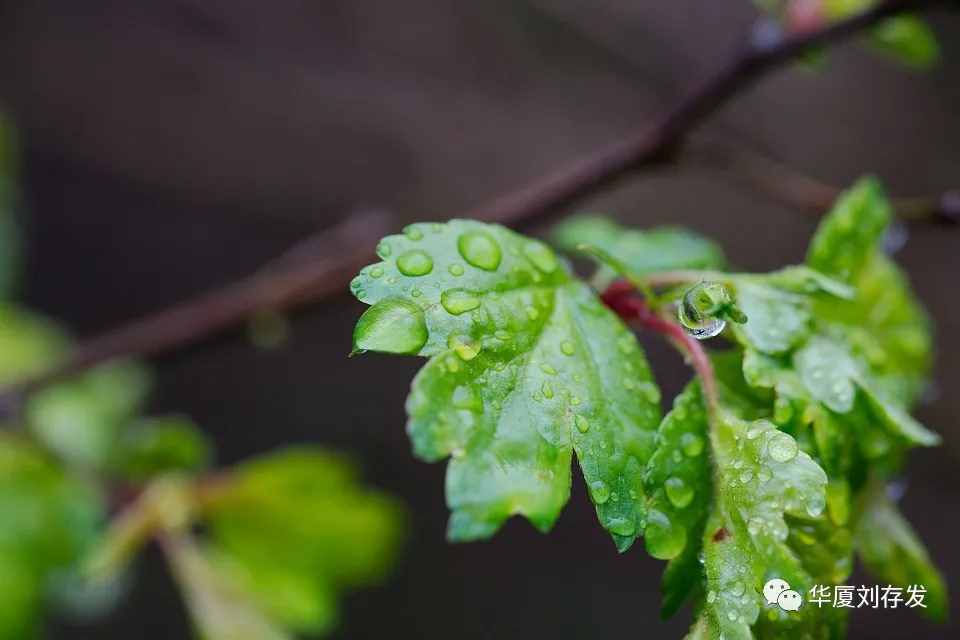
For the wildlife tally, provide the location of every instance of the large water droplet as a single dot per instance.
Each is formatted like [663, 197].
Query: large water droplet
[695, 309]
[665, 540]
[464, 346]
[415, 263]
[479, 249]
[457, 301]
[541, 256]
[781, 447]
[600, 491]
[691, 444]
[583, 425]
[622, 526]
[391, 326]
[678, 492]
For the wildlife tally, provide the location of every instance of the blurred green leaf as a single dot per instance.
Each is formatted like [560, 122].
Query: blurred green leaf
[295, 529]
[891, 551]
[151, 446]
[82, 418]
[49, 520]
[908, 39]
[528, 366]
[29, 344]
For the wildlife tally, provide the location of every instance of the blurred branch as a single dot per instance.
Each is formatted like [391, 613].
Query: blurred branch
[314, 269]
[658, 142]
[323, 265]
[800, 191]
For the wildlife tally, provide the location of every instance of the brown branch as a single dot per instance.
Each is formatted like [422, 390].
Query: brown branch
[326, 270]
[657, 142]
[800, 191]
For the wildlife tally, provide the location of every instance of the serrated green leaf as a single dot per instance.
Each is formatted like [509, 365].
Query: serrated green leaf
[296, 524]
[893, 553]
[152, 446]
[659, 249]
[828, 371]
[678, 484]
[761, 477]
[776, 320]
[528, 367]
[22, 592]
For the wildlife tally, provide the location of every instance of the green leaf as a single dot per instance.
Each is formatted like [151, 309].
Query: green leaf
[29, 344]
[893, 553]
[296, 529]
[908, 39]
[152, 446]
[677, 480]
[528, 367]
[761, 476]
[648, 251]
[81, 419]
[776, 320]
[219, 608]
[50, 519]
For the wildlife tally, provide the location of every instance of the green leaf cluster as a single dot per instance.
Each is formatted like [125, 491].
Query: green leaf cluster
[782, 477]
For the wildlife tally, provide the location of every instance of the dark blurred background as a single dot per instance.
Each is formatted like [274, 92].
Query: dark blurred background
[172, 146]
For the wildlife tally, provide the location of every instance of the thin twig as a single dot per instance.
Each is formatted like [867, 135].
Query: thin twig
[800, 191]
[297, 281]
[657, 142]
[314, 269]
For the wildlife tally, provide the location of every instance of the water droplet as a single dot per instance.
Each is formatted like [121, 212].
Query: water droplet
[746, 476]
[541, 256]
[621, 526]
[500, 334]
[574, 400]
[691, 444]
[650, 392]
[546, 389]
[532, 313]
[465, 397]
[566, 347]
[737, 589]
[711, 596]
[583, 425]
[457, 301]
[697, 308]
[415, 263]
[383, 249]
[764, 474]
[781, 447]
[413, 233]
[678, 492]
[600, 491]
[732, 616]
[547, 369]
[664, 539]
[415, 292]
[455, 269]
[391, 326]
[480, 250]
[464, 346]
[815, 505]
[376, 272]
[754, 433]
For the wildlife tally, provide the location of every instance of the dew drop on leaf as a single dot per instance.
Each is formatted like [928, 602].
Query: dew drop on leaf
[678, 492]
[665, 540]
[547, 390]
[464, 346]
[694, 309]
[566, 347]
[413, 233]
[457, 301]
[691, 444]
[583, 425]
[391, 326]
[455, 269]
[415, 263]
[600, 491]
[479, 249]
[376, 272]
[621, 526]
[781, 447]
[465, 397]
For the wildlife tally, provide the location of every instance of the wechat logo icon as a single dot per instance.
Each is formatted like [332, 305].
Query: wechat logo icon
[778, 592]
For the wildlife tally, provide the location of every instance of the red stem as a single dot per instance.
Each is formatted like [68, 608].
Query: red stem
[622, 299]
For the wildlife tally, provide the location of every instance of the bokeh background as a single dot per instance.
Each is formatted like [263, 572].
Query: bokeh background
[174, 145]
